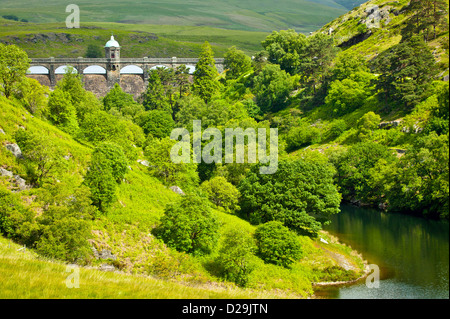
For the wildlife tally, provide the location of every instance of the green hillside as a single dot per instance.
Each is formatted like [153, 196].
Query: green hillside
[261, 15]
[159, 41]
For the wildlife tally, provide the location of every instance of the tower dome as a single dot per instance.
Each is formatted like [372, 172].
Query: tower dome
[112, 43]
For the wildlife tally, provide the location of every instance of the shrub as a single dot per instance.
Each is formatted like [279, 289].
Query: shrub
[222, 193]
[189, 226]
[277, 244]
[236, 259]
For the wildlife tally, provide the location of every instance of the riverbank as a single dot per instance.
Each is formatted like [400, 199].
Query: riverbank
[344, 257]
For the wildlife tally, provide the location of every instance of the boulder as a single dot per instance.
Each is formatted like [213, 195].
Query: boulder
[15, 149]
[4, 172]
[2, 132]
[106, 254]
[177, 190]
[106, 267]
[144, 163]
[20, 183]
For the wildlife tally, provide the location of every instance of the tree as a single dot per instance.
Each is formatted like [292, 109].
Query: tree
[158, 123]
[321, 52]
[112, 156]
[14, 64]
[425, 17]
[189, 226]
[345, 96]
[301, 195]
[94, 51]
[221, 193]
[353, 171]
[272, 87]
[421, 183]
[287, 49]
[406, 72]
[46, 158]
[122, 102]
[34, 96]
[237, 63]
[107, 168]
[236, 258]
[155, 97]
[205, 76]
[367, 124]
[62, 112]
[277, 244]
[158, 153]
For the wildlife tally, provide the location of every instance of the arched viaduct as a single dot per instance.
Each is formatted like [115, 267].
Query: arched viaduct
[99, 75]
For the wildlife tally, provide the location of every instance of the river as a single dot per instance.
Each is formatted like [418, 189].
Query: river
[412, 254]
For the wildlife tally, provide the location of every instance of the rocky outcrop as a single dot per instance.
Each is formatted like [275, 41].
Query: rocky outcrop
[177, 190]
[17, 182]
[374, 17]
[15, 150]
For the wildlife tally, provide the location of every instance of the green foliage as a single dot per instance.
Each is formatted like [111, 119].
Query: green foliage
[205, 76]
[272, 87]
[347, 95]
[354, 173]
[155, 97]
[107, 168]
[13, 215]
[158, 123]
[222, 193]
[64, 238]
[44, 158]
[277, 244]
[287, 49]
[236, 258]
[367, 124]
[161, 165]
[14, 64]
[34, 97]
[124, 103]
[300, 194]
[189, 226]
[236, 63]
[419, 183]
[406, 72]
[302, 135]
[62, 112]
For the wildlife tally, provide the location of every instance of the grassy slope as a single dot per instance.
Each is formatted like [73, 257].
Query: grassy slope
[260, 15]
[126, 232]
[53, 39]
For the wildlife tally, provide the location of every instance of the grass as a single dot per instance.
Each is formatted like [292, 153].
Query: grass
[127, 232]
[24, 275]
[263, 15]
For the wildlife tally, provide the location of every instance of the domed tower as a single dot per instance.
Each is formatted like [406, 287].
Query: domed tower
[112, 52]
[112, 49]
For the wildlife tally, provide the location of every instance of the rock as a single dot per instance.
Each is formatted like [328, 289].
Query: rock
[106, 254]
[106, 267]
[15, 149]
[2, 132]
[95, 252]
[4, 172]
[67, 157]
[144, 163]
[323, 241]
[445, 78]
[177, 190]
[374, 16]
[20, 183]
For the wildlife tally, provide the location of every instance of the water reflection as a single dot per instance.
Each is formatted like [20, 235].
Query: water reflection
[412, 253]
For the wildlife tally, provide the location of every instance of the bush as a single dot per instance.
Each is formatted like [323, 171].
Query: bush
[189, 226]
[277, 244]
[222, 193]
[12, 215]
[303, 135]
[301, 195]
[236, 259]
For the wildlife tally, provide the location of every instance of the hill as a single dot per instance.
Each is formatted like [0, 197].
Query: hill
[158, 41]
[261, 15]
